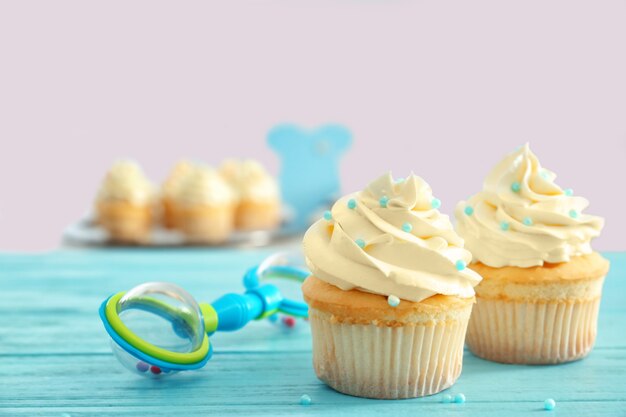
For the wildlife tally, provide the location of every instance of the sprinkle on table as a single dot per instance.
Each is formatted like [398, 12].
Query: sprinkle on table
[459, 398]
[305, 400]
[549, 404]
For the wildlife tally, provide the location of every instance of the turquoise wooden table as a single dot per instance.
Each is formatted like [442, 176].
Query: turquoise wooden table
[55, 358]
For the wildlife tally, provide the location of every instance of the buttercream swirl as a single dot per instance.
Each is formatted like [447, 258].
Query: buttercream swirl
[178, 175]
[125, 181]
[522, 218]
[250, 180]
[389, 240]
[205, 187]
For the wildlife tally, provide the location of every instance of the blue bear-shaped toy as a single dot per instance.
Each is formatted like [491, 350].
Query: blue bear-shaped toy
[309, 174]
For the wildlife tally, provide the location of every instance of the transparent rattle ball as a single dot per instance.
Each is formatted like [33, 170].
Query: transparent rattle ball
[163, 315]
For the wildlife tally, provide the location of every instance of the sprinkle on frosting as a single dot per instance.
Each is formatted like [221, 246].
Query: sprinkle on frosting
[393, 301]
[412, 266]
[435, 203]
[360, 243]
[469, 210]
[383, 201]
[352, 204]
[407, 227]
[328, 215]
[126, 181]
[498, 234]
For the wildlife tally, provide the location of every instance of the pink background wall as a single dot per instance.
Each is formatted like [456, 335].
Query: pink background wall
[444, 88]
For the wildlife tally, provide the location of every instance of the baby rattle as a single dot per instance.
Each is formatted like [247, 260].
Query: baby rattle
[158, 328]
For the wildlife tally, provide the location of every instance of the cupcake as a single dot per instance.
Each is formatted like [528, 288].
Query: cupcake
[169, 190]
[125, 203]
[205, 207]
[539, 298]
[258, 196]
[390, 295]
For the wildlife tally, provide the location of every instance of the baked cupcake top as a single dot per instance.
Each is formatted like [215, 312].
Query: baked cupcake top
[522, 218]
[205, 187]
[390, 239]
[125, 181]
[250, 180]
[177, 176]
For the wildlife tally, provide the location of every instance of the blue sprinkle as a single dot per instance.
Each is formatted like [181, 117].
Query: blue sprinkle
[360, 243]
[469, 210]
[549, 404]
[273, 318]
[383, 201]
[352, 204]
[460, 265]
[568, 192]
[573, 214]
[435, 203]
[305, 400]
[328, 215]
[399, 180]
[446, 399]
[393, 301]
[407, 227]
[459, 398]
[527, 221]
[504, 225]
[516, 187]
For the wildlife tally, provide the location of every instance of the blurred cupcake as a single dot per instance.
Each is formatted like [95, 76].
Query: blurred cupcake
[205, 207]
[125, 203]
[257, 192]
[170, 189]
[539, 298]
[389, 296]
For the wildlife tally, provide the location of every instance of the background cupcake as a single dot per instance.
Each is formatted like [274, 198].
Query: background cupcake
[205, 207]
[170, 188]
[125, 203]
[258, 194]
[389, 296]
[539, 300]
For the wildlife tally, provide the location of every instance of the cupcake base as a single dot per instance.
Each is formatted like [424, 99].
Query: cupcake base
[386, 362]
[539, 315]
[533, 333]
[251, 215]
[125, 222]
[364, 347]
[206, 224]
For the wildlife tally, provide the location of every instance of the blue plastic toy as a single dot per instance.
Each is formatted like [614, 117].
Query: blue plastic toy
[309, 176]
[158, 328]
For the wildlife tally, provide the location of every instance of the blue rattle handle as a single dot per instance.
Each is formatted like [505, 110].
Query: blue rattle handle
[233, 311]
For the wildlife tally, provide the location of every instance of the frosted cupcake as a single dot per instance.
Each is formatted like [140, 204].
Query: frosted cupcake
[125, 202]
[258, 194]
[539, 298]
[205, 207]
[170, 189]
[389, 296]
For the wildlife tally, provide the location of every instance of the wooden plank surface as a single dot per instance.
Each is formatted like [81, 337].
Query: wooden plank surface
[55, 358]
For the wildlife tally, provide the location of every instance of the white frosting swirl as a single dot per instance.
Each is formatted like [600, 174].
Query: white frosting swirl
[176, 178]
[250, 180]
[205, 187]
[411, 262]
[125, 181]
[522, 218]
